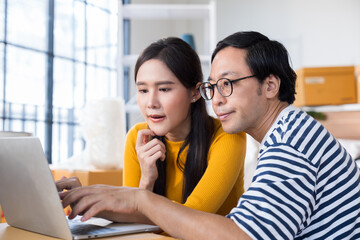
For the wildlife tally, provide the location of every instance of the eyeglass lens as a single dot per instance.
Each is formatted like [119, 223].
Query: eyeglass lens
[223, 85]
[206, 91]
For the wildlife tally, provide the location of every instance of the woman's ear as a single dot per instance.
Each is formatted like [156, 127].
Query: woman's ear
[272, 86]
[195, 93]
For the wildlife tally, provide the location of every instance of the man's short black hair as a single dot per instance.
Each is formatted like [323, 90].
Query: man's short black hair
[264, 57]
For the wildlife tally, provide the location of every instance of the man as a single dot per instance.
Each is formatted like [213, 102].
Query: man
[305, 185]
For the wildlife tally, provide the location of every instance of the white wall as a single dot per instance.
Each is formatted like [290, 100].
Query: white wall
[143, 32]
[315, 32]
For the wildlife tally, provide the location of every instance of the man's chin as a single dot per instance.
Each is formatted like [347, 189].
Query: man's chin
[230, 129]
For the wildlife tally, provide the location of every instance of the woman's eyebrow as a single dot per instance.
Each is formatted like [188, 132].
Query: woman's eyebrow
[166, 82]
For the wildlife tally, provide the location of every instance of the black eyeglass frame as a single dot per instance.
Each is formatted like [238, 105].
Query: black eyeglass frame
[217, 87]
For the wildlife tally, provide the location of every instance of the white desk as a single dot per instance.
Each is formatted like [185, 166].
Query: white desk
[11, 233]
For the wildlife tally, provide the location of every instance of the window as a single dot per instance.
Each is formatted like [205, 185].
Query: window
[54, 56]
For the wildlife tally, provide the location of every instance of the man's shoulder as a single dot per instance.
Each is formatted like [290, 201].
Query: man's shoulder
[294, 126]
[295, 121]
[299, 133]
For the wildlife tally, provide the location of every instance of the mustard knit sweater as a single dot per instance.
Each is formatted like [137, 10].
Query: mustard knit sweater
[222, 184]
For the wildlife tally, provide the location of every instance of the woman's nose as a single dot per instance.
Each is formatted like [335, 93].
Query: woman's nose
[153, 101]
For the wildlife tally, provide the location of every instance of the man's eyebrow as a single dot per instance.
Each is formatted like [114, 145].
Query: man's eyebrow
[166, 82]
[227, 73]
[224, 74]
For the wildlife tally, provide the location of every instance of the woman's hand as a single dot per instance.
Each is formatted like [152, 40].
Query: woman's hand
[148, 152]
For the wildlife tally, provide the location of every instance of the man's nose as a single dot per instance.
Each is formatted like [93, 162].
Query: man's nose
[217, 98]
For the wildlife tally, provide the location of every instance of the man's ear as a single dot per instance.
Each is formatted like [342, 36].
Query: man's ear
[272, 86]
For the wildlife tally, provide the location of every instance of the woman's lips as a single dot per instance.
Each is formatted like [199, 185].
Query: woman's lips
[156, 118]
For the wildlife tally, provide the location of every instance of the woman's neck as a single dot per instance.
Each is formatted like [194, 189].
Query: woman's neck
[181, 132]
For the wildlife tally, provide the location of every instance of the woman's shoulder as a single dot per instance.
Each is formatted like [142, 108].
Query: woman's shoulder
[137, 127]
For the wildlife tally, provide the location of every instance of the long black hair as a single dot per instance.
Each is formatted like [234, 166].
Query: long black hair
[185, 64]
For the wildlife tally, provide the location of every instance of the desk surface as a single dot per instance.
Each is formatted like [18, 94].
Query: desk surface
[11, 233]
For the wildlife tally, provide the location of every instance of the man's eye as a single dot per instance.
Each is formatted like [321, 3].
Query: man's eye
[227, 83]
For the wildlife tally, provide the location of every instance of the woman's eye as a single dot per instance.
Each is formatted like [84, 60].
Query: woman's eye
[164, 89]
[142, 91]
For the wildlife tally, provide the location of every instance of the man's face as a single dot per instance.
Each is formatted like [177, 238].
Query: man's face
[242, 110]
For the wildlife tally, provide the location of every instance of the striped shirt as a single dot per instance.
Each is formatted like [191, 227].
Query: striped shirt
[306, 186]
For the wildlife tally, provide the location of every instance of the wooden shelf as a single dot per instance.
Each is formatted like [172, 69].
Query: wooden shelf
[342, 121]
[333, 108]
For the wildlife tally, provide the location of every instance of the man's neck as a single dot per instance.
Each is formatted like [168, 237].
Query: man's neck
[265, 123]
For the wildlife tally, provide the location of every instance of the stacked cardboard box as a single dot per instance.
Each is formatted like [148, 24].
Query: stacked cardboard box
[91, 177]
[357, 75]
[325, 86]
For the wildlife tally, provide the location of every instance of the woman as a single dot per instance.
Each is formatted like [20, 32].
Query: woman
[180, 151]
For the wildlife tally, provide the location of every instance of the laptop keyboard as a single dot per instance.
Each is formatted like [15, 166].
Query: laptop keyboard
[81, 228]
[89, 229]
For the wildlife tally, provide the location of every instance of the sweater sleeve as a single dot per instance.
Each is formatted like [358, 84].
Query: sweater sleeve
[225, 172]
[131, 171]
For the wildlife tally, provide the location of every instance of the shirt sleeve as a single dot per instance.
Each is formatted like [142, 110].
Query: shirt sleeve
[223, 178]
[276, 205]
[131, 170]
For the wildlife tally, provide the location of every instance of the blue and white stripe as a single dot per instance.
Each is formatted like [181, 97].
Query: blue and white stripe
[306, 186]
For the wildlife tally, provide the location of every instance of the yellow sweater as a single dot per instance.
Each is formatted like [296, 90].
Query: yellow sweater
[222, 184]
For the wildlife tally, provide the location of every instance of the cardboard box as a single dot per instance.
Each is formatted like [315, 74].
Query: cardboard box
[91, 177]
[357, 75]
[325, 86]
[2, 217]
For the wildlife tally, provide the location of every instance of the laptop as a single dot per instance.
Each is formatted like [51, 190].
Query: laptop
[30, 201]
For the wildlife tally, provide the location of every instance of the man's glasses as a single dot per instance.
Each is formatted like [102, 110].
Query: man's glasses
[223, 85]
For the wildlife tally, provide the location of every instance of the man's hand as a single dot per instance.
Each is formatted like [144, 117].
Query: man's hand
[92, 200]
[67, 183]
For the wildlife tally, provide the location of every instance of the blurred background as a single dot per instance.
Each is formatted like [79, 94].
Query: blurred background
[56, 55]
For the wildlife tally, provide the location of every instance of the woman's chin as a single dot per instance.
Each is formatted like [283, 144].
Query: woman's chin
[159, 131]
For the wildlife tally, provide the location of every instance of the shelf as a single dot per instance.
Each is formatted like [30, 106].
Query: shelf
[130, 60]
[341, 120]
[333, 108]
[166, 11]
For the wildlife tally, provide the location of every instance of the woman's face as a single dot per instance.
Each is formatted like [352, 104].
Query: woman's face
[163, 100]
